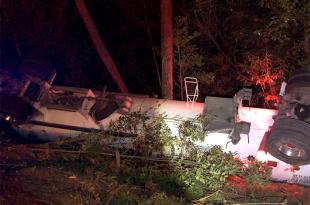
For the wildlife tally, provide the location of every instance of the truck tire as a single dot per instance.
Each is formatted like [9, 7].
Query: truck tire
[289, 141]
[14, 108]
[298, 85]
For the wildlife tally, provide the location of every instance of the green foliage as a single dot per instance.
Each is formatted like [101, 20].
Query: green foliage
[211, 169]
[126, 198]
[288, 30]
[192, 172]
[266, 75]
[187, 54]
[188, 57]
[158, 199]
[192, 129]
[171, 183]
[233, 36]
[195, 171]
[257, 173]
[93, 146]
[153, 134]
[137, 176]
[133, 123]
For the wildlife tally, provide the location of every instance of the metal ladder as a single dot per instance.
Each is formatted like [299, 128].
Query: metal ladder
[191, 89]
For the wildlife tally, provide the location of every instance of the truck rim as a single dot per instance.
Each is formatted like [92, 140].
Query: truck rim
[291, 150]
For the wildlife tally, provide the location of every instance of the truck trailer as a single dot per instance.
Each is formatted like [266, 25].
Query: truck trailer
[280, 137]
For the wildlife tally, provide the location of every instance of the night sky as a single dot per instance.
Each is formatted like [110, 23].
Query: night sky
[227, 45]
[52, 33]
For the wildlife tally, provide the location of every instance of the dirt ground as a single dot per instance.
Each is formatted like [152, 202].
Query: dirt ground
[21, 184]
[26, 178]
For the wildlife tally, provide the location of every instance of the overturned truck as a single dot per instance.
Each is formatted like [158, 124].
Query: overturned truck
[289, 137]
[280, 137]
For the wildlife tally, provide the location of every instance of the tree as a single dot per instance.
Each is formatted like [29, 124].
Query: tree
[99, 45]
[188, 58]
[166, 48]
[287, 32]
[254, 44]
[142, 20]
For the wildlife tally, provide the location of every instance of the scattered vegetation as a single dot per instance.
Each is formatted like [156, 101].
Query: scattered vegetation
[184, 174]
[152, 133]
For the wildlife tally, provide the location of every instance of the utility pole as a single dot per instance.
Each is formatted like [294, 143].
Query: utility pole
[166, 48]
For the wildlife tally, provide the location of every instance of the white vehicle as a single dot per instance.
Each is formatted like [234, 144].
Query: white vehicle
[279, 137]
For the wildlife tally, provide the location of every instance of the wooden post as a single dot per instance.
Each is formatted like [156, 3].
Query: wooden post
[117, 160]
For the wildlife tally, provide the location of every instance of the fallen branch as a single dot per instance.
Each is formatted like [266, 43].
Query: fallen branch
[104, 154]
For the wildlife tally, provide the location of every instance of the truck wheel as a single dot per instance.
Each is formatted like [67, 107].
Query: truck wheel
[289, 141]
[14, 108]
[298, 86]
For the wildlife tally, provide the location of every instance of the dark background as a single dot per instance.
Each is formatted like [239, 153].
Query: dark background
[53, 31]
[227, 45]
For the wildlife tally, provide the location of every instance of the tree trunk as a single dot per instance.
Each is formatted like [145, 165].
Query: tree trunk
[181, 77]
[166, 48]
[99, 45]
